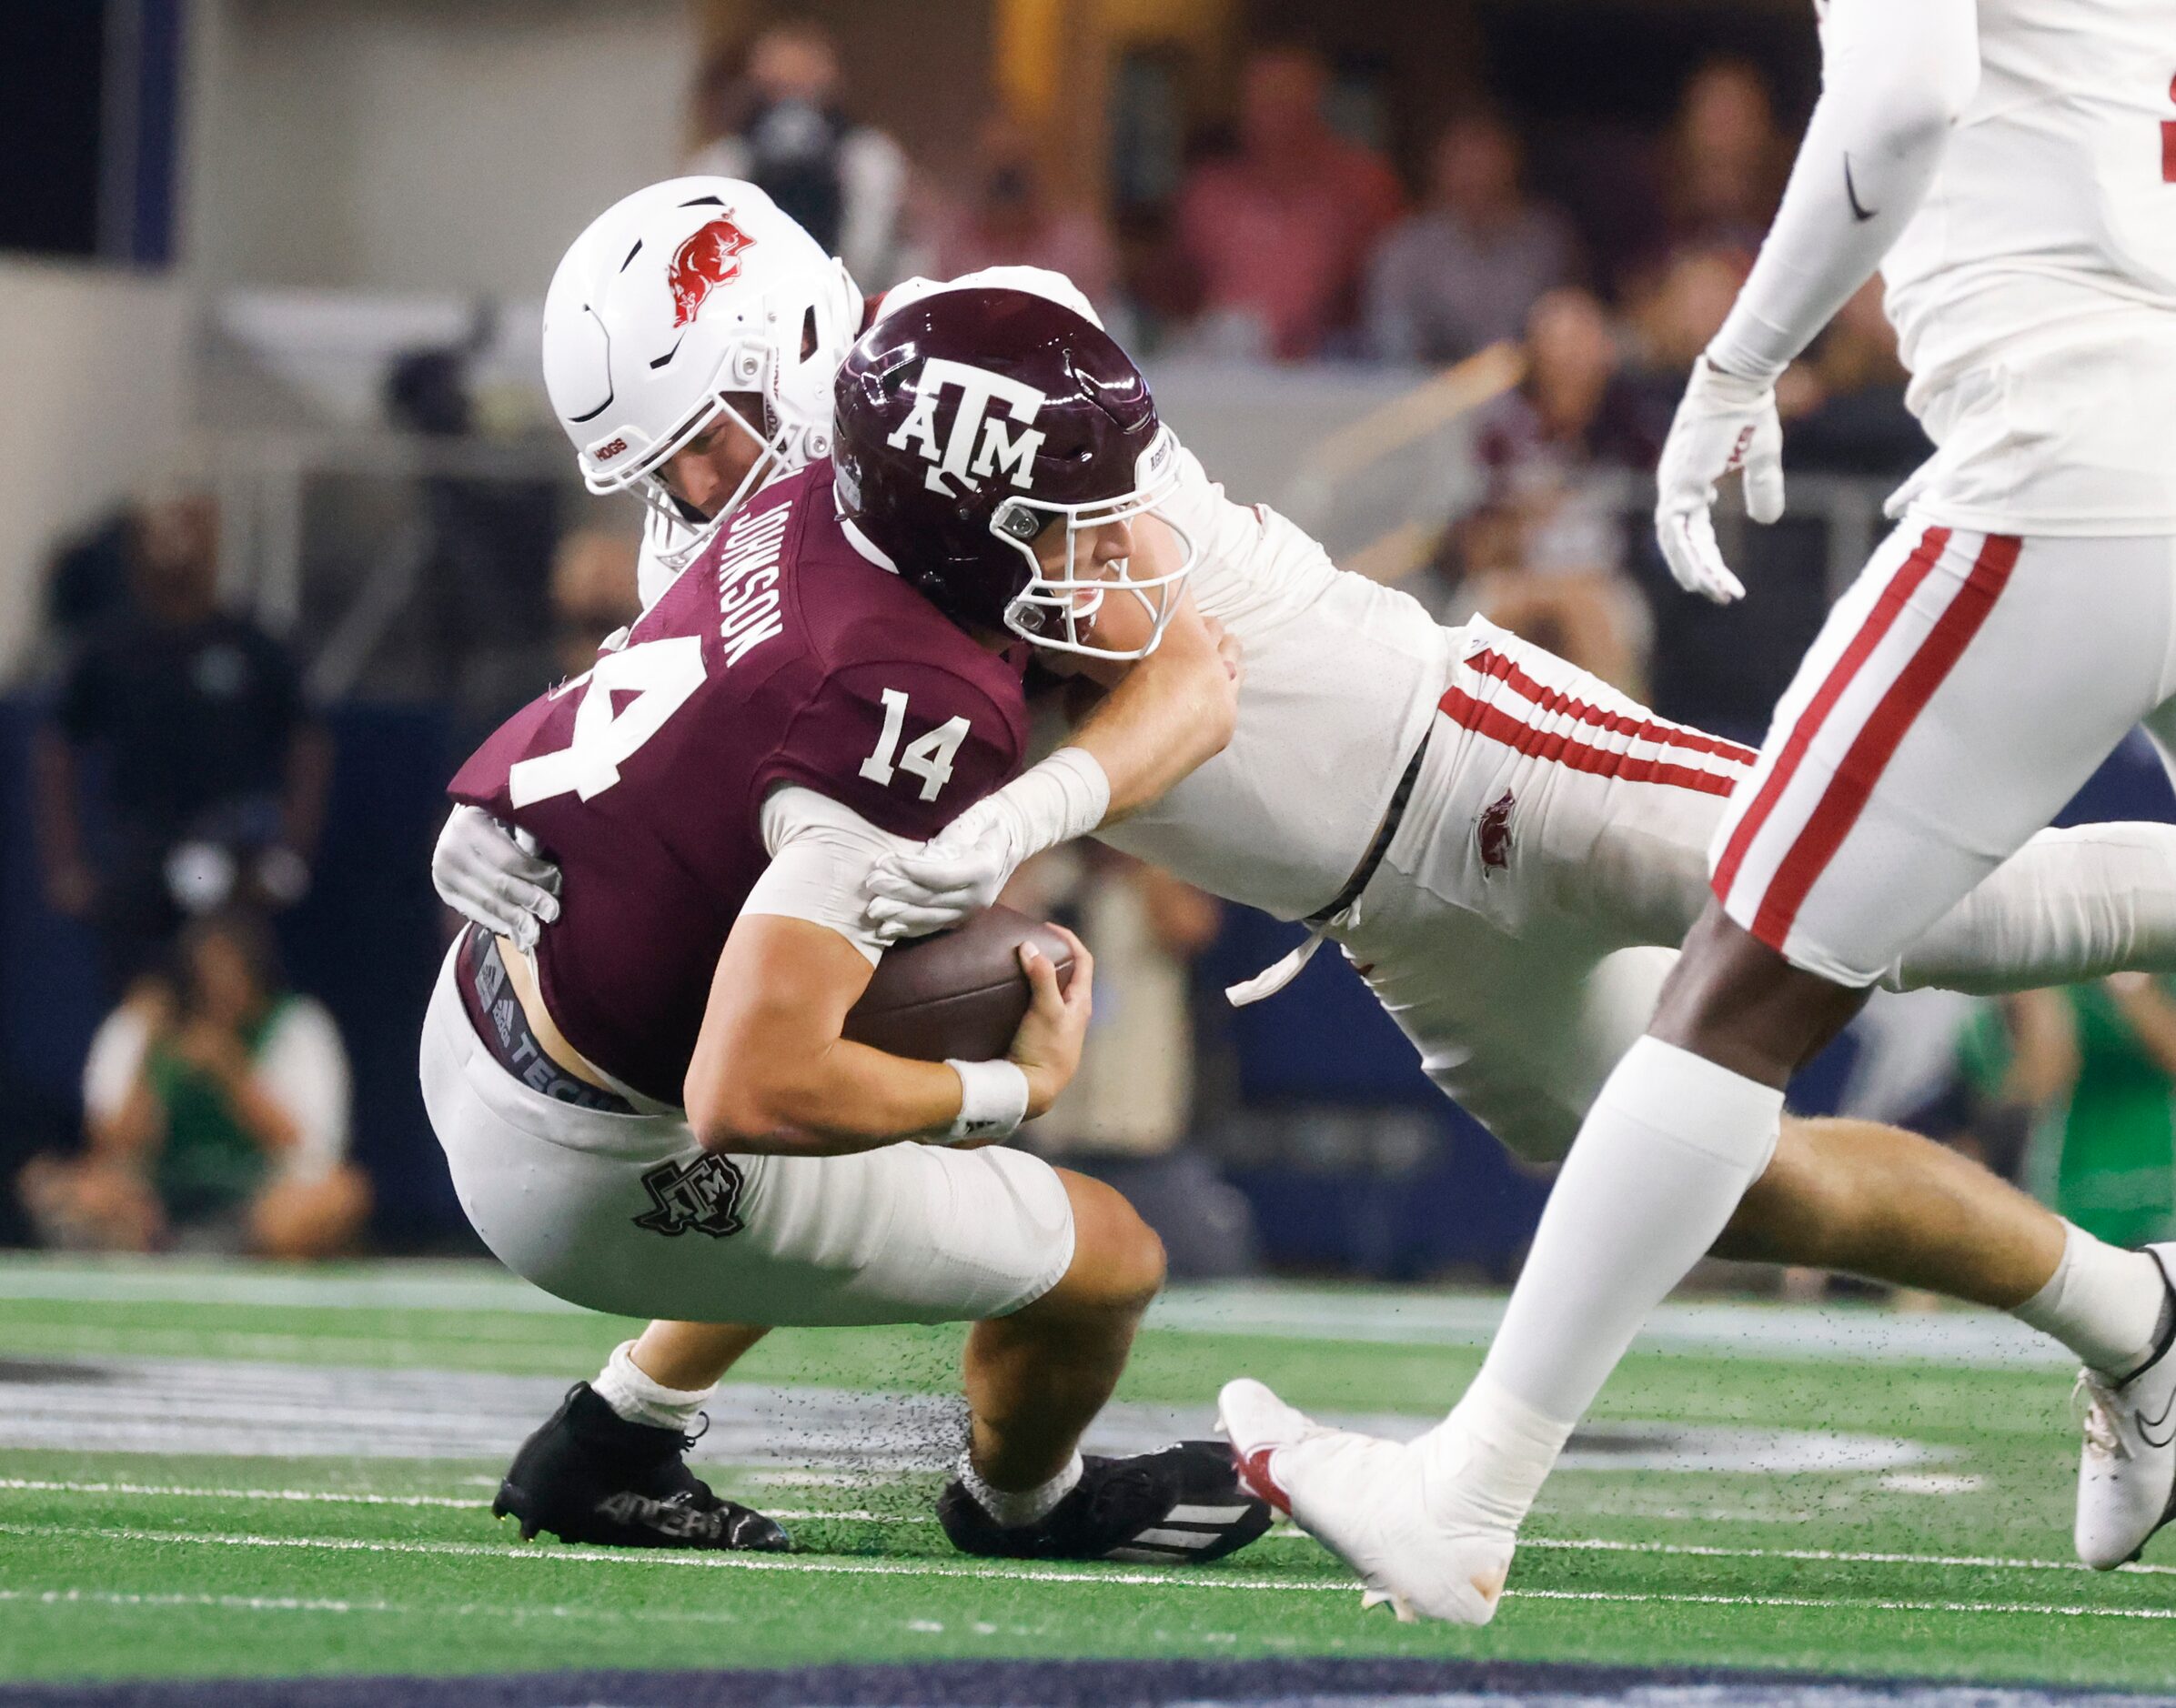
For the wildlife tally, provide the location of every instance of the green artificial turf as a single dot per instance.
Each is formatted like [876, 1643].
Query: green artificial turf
[157, 1565]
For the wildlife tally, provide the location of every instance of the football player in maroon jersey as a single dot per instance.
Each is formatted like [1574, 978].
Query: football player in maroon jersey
[651, 1108]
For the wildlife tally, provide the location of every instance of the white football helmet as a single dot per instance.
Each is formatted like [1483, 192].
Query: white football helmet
[676, 298]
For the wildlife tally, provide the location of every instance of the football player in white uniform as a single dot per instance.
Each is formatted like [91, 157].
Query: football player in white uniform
[1504, 845]
[2008, 165]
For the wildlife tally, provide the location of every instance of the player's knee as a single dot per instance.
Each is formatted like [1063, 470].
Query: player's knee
[1118, 1262]
[1737, 1002]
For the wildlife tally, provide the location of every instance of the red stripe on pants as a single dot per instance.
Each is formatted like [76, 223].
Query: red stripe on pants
[1551, 700]
[1902, 585]
[1853, 785]
[1498, 724]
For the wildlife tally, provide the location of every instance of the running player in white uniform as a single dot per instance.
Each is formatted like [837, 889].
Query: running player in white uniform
[1547, 838]
[2009, 164]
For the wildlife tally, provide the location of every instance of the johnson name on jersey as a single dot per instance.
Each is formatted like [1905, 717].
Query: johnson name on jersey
[783, 656]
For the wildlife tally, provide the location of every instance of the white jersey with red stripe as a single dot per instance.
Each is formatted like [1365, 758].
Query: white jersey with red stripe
[2034, 289]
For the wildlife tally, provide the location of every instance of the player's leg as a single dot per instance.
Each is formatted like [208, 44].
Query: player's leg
[2127, 1467]
[1036, 1376]
[622, 1212]
[1905, 763]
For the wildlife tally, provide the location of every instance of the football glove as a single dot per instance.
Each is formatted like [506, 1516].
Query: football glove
[1723, 424]
[955, 875]
[483, 874]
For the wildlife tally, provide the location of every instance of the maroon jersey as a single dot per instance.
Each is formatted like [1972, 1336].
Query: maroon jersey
[781, 656]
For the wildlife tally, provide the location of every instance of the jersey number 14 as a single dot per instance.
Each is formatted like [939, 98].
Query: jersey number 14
[661, 675]
[929, 756]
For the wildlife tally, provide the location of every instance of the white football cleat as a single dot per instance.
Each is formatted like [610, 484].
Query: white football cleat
[2127, 1472]
[1389, 1510]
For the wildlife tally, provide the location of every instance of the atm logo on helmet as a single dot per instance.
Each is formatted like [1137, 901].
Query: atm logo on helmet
[710, 257]
[979, 445]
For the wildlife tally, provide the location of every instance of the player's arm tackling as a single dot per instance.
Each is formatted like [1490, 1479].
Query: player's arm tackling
[1162, 719]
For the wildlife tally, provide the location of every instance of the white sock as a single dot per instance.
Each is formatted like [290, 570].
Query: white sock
[637, 1399]
[1028, 1506]
[1499, 1448]
[2068, 906]
[1670, 1146]
[2102, 1303]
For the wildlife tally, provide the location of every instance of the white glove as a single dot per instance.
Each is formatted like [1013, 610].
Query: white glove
[1723, 424]
[483, 874]
[955, 875]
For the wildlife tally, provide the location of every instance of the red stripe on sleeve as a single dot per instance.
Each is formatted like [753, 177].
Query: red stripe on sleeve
[1879, 620]
[1853, 785]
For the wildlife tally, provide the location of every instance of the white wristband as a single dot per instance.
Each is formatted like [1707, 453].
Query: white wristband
[994, 1100]
[1054, 800]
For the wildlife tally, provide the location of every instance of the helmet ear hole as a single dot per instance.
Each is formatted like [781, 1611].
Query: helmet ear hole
[808, 332]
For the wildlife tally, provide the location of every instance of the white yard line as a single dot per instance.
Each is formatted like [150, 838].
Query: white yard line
[316, 1497]
[435, 1610]
[1829, 1603]
[1038, 1575]
[1588, 1544]
[2005, 1563]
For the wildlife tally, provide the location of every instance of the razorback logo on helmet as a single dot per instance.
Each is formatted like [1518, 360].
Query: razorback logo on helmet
[961, 457]
[710, 258]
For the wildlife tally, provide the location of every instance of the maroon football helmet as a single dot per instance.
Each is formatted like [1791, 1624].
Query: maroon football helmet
[970, 421]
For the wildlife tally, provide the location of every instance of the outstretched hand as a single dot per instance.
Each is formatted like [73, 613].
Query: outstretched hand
[1724, 424]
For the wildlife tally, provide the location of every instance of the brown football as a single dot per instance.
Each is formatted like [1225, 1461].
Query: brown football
[959, 994]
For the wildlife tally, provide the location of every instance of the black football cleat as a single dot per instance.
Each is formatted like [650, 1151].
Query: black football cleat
[1181, 1506]
[588, 1475]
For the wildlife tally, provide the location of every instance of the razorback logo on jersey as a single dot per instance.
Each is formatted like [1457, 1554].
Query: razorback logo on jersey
[709, 259]
[979, 445]
[1492, 834]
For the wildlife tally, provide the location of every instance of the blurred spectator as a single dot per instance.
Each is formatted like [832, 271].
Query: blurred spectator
[2103, 1074]
[1679, 312]
[1464, 271]
[1277, 236]
[1725, 161]
[87, 580]
[1126, 1117]
[593, 595]
[1843, 406]
[211, 775]
[780, 124]
[1545, 552]
[215, 1108]
[1009, 220]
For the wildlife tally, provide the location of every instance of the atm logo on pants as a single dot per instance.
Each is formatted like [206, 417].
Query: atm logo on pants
[704, 1194]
